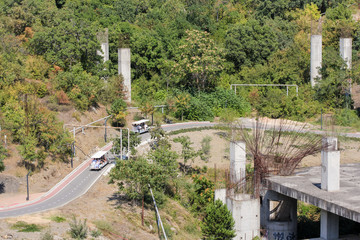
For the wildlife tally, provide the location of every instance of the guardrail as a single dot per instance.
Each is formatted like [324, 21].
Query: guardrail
[269, 85]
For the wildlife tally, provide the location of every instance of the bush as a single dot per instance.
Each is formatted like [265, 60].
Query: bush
[198, 111]
[218, 223]
[47, 236]
[25, 227]
[346, 117]
[78, 229]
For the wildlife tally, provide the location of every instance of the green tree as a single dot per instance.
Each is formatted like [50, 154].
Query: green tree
[187, 151]
[118, 112]
[199, 61]
[250, 43]
[218, 223]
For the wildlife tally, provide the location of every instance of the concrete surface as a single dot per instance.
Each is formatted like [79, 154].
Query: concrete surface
[305, 186]
[315, 58]
[124, 68]
[330, 165]
[346, 51]
[246, 213]
[237, 162]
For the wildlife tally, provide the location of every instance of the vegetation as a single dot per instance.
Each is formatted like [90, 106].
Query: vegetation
[26, 227]
[218, 222]
[78, 229]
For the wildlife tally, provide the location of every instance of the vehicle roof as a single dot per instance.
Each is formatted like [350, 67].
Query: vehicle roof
[99, 154]
[140, 121]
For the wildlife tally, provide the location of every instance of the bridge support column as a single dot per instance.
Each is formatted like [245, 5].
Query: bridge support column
[330, 181]
[246, 213]
[279, 216]
[237, 163]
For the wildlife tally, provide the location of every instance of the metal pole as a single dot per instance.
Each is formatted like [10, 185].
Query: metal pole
[5, 141]
[321, 119]
[128, 143]
[152, 119]
[27, 185]
[74, 133]
[287, 91]
[72, 153]
[105, 136]
[157, 213]
[297, 90]
[121, 145]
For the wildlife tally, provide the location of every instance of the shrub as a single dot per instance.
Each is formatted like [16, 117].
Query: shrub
[218, 223]
[78, 229]
[95, 233]
[346, 117]
[58, 219]
[198, 111]
[25, 227]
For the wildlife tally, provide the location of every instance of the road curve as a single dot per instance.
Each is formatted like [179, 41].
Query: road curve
[79, 181]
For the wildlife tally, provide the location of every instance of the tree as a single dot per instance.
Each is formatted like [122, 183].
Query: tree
[250, 43]
[199, 61]
[187, 151]
[218, 223]
[118, 112]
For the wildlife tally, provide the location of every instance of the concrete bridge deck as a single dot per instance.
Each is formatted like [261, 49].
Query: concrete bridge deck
[305, 185]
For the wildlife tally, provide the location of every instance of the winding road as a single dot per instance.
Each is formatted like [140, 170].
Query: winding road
[80, 180]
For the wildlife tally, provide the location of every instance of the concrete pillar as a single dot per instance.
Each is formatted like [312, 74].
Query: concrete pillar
[103, 38]
[346, 51]
[279, 216]
[330, 181]
[124, 68]
[315, 58]
[329, 225]
[330, 165]
[246, 213]
[220, 194]
[237, 162]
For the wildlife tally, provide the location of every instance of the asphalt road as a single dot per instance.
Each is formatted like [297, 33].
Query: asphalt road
[82, 178]
[77, 184]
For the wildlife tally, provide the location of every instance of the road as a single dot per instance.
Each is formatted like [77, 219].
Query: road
[81, 179]
[76, 183]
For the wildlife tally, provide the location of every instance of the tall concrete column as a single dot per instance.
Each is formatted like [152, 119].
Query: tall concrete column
[330, 165]
[315, 58]
[330, 181]
[103, 38]
[346, 51]
[124, 68]
[237, 162]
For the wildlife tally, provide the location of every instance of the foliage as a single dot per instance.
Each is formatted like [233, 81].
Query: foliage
[218, 222]
[135, 140]
[118, 112]
[346, 117]
[25, 227]
[308, 220]
[187, 151]
[250, 43]
[3, 153]
[95, 233]
[58, 219]
[199, 61]
[134, 176]
[78, 229]
[333, 85]
[203, 193]
[205, 148]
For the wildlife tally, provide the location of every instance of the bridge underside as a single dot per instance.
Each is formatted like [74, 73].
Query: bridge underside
[305, 186]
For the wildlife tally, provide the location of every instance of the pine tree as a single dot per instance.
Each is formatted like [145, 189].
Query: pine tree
[218, 224]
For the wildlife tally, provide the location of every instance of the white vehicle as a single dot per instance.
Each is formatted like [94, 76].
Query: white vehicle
[140, 126]
[99, 160]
